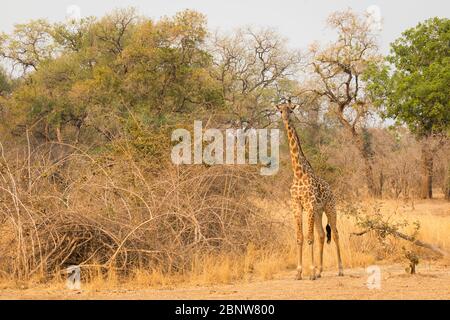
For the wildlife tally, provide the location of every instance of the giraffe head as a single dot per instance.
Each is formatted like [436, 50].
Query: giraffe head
[286, 107]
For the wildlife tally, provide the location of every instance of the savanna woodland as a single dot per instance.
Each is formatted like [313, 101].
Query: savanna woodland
[87, 108]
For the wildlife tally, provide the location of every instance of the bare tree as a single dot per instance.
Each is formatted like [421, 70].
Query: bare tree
[337, 76]
[112, 31]
[28, 45]
[250, 65]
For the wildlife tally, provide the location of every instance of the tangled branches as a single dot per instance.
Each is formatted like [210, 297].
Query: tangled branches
[116, 212]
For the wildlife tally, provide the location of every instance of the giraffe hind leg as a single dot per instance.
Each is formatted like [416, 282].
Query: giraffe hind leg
[330, 211]
[319, 228]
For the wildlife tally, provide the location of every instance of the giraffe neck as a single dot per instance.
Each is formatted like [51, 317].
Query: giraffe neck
[300, 165]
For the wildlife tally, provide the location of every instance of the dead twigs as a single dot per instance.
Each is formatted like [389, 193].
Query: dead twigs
[117, 213]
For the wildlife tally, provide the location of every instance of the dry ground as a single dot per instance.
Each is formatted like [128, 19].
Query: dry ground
[432, 282]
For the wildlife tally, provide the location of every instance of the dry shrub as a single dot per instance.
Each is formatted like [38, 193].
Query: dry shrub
[116, 213]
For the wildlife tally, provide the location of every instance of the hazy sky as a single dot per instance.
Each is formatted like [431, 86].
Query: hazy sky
[301, 21]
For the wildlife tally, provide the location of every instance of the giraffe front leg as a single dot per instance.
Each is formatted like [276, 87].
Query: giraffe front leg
[299, 248]
[299, 230]
[312, 267]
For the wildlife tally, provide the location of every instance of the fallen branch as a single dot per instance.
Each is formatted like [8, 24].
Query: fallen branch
[403, 236]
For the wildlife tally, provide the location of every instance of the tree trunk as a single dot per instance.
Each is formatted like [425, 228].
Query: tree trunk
[381, 184]
[427, 172]
[367, 156]
[447, 185]
[47, 132]
[368, 170]
[447, 191]
[58, 134]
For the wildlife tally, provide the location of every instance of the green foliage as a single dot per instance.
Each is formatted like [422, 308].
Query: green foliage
[312, 138]
[413, 83]
[167, 67]
[96, 81]
[29, 45]
[5, 83]
[100, 73]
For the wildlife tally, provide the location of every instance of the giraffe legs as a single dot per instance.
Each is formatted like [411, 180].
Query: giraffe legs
[338, 250]
[314, 212]
[330, 211]
[319, 228]
[296, 207]
[299, 254]
[311, 218]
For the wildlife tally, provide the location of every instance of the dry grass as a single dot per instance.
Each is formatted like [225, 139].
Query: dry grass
[259, 264]
[118, 214]
[361, 251]
[128, 225]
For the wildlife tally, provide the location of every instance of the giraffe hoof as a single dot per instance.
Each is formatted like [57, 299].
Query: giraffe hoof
[298, 276]
[312, 277]
[341, 274]
[319, 276]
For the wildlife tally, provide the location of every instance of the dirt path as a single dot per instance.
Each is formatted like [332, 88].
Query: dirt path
[432, 282]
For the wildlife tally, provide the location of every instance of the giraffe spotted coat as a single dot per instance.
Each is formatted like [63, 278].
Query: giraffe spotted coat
[310, 196]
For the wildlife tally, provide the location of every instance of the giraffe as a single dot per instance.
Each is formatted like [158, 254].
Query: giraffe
[313, 196]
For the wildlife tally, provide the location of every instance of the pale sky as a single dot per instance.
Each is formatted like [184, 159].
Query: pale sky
[300, 21]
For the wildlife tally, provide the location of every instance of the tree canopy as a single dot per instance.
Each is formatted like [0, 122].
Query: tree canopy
[106, 76]
[413, 84]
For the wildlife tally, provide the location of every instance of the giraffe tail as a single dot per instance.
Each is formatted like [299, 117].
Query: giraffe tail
[328, 228]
